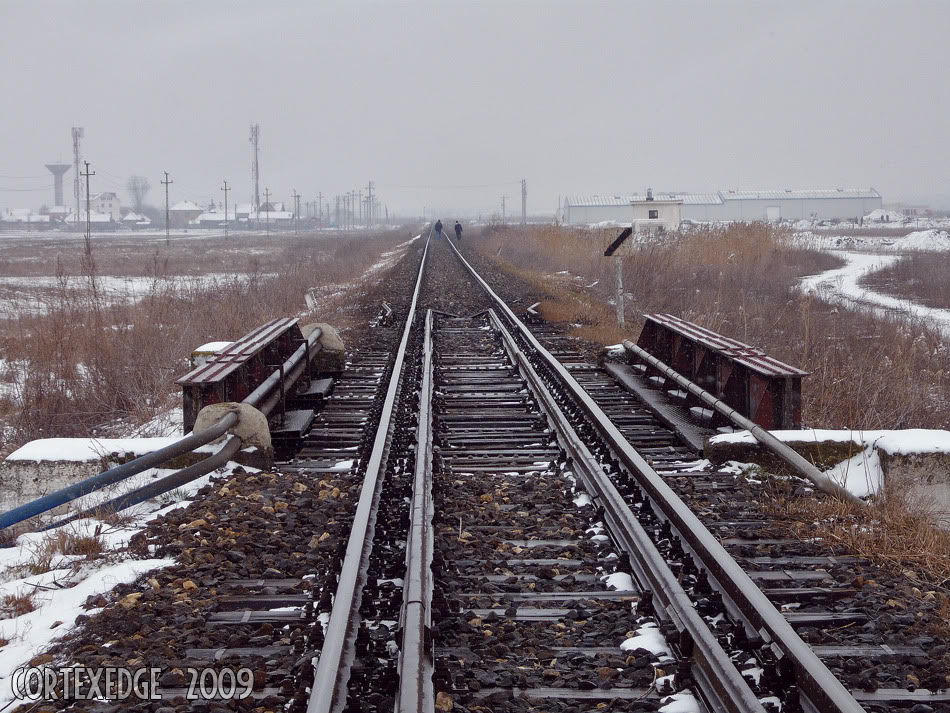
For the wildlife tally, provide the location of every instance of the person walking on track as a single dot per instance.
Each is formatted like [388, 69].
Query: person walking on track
[438, 228]
[458, 231]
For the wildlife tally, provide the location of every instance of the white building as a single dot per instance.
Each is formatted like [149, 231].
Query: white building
[660, 212]
[106, 202]
[272, 219]
[784, 204]
[215, 219]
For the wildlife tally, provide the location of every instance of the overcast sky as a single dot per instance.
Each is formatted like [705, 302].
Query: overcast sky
[449, 104]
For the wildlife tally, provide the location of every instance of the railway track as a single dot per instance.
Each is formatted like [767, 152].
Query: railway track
[505, 528]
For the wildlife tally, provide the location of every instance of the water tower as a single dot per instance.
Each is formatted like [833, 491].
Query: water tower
[58, 169]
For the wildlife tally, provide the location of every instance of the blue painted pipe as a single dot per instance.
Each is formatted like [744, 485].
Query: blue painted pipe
[114, 475]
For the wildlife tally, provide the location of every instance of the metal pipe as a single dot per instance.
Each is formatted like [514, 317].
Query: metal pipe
[121, 472]
[416, 692]
[787, 454]
[263, 397]
[157, 487]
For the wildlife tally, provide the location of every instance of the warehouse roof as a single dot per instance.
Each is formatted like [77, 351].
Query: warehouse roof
[789, 194]
[722, 196]
[687, 198]
[599, 200]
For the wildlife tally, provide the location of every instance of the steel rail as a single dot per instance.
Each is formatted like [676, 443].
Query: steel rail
[787, 454]
[825, 693]
[416, 693]
[328, 694]
[721, 683]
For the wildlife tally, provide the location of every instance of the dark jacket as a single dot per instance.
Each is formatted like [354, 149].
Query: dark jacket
[438, 227]
[458, 228]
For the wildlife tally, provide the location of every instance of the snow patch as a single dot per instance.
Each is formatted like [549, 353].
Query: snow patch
[620, 581]
[87, 449]
[899, 442]
[684, 702]
[648, 637]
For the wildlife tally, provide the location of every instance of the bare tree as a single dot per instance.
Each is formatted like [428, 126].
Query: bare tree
[138, 187]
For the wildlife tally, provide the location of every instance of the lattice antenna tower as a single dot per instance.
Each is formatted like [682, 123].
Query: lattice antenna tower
[78, 134]
[255, 172]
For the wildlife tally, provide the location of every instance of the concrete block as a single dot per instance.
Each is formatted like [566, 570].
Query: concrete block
[251, 428]
[912, 463]
[331, 359]
[46, 465]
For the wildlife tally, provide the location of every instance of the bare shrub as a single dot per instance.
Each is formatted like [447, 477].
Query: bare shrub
[921, 277]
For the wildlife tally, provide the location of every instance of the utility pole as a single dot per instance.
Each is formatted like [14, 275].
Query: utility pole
[320, 210]
[267, 212]
[296, 208]
[167, 182]
[503, 208]
[337, 212]
[369, 201]
[88, 237]
[524, 201]
[255, 173]
[361, 207]
[225, 189]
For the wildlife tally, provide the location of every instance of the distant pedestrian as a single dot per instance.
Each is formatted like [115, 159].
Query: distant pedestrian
[458, 230]
[438, 228]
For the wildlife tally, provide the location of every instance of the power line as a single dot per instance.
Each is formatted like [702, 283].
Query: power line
[474, 185]
[25, 190]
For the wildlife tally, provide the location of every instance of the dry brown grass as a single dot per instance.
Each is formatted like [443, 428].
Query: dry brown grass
[95, 363]
[890, 531]
[14, 605]
[921, 277]
[866, 371]
[63, 542]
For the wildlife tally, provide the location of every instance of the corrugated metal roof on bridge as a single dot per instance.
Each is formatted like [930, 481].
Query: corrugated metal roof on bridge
[788, 194]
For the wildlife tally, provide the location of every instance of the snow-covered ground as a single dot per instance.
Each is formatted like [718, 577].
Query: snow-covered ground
[931, 239]
[59, 593]
[30, 294]
[863, 474]
[840, 285]
[879, 219]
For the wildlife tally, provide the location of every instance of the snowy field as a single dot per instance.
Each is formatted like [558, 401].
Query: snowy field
[932, 239]
[33, 294]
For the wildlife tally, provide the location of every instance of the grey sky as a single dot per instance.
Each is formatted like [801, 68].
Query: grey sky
[575, 97]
